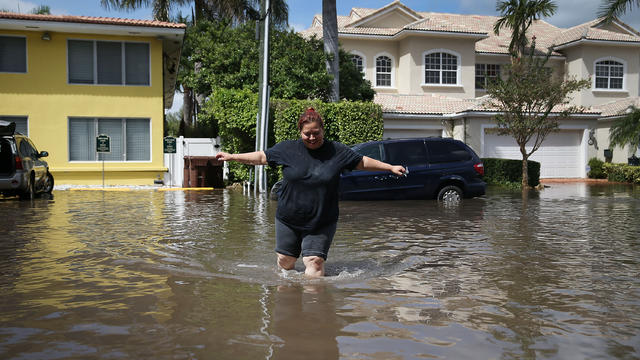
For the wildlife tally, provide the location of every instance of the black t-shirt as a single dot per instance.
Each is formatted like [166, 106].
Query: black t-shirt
[308, 198]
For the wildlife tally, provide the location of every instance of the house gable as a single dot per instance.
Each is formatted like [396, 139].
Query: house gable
[395, 15]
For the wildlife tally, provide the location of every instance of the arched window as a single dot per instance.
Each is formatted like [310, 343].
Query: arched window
[384, 67]
[441, 68]
[609, 74]
[358, 62]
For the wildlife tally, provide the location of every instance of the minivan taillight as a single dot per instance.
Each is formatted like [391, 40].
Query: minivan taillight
[19, 163]
[479, 168]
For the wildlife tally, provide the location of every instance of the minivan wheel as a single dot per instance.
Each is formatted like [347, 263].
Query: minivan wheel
[450, 194]
[48, 183]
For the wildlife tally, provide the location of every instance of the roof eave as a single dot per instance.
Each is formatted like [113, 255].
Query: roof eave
[90, 28]
[404, 33]
[597, 42]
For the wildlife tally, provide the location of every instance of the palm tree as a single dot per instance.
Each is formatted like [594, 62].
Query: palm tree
[518, 15]
[160, 7]
[237, 10]
[330, 38]
[611, 9]
[626, 131]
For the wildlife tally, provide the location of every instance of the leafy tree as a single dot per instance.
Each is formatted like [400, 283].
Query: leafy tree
[525, 101]
[612, 9]
[41, 10]
[229, 59]
[626, 131]
[331, 46]
[518, 15]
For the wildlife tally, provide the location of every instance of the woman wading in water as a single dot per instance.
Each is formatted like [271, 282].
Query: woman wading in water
[307, 213]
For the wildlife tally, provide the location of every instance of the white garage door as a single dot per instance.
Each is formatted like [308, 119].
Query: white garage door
[410, 133]
[559, 156]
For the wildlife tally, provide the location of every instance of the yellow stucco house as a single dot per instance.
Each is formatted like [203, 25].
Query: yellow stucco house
[66, 79]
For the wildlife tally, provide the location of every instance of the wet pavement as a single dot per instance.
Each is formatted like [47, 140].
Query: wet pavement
[191, 275]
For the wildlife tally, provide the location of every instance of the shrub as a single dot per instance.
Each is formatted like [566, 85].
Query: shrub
[622, 173]
[597, 170]
[508, 172]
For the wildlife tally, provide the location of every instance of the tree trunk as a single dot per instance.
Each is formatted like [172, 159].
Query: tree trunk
[525, 173]
[187, 108]
[330, 37]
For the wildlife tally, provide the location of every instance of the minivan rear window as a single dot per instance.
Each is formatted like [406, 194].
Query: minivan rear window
[447, 151]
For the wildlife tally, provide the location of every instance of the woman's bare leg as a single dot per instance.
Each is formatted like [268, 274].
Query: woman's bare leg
[314, 266]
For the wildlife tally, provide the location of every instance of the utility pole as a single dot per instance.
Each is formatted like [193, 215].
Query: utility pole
[262, 121]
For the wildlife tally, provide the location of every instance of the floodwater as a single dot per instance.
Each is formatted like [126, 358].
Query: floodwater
[147, 274]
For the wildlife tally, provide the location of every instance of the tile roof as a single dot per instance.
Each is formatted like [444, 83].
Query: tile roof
[433, 104]
[590, 31]
[618, 107]
[91, 20]
[422, 104]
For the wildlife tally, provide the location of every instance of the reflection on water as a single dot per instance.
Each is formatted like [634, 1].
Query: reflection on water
[191, 275]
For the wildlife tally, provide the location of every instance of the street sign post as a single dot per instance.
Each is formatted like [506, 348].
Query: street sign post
[103, 145]
[169, 145]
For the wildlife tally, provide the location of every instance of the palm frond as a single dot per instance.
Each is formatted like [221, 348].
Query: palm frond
[626, 131]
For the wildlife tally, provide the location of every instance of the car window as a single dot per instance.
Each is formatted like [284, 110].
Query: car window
[373, 151]
[447, 151]
[407, 153]
[26, 150]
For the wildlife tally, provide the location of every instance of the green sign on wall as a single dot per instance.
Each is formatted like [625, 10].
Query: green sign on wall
[169, 145]
[103, 143]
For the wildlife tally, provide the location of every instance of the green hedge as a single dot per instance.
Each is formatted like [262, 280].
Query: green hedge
[235, 111]
[622, 173]
[596, 167]
[347, 122]
[509, 172]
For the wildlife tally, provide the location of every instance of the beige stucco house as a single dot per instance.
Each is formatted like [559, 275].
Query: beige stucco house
[429, 71]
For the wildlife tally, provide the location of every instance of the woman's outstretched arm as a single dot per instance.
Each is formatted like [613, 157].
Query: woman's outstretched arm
[370, 164]
[251, 158]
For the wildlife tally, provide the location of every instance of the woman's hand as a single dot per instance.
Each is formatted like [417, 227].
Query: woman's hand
[223, 156]
[252, 158]
[398, 170]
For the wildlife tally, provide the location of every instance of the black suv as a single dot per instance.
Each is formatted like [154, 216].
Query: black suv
[441, 168]
[22, 170]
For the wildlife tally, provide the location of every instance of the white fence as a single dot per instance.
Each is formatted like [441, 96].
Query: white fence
[187, 147]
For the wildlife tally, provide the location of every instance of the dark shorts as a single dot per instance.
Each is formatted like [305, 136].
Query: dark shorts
[310, 243]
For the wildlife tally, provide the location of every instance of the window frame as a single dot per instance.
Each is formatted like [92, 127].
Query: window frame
[361, 55]
[440, 71]
[123, 68]
[485, 77]
[392, 82]
[96, 133]
[13, 118]
[608, 88]
[26, 55]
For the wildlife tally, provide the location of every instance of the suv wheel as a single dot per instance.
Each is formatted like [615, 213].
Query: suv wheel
[48, 184]
[450, 194]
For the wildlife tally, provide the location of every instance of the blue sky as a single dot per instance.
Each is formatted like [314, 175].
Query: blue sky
[301, 12]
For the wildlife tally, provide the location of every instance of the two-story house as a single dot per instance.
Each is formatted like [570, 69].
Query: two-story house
[430, 70]
[67, 79]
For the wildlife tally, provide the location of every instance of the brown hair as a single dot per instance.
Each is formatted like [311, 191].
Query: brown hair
[310, 115]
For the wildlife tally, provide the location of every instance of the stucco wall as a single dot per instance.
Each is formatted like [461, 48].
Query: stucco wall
[581, 63]
[408, 55]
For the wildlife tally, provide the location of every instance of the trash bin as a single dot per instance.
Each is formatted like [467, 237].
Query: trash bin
[202, 171]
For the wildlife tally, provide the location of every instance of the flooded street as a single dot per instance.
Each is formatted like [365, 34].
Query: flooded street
[147, 274]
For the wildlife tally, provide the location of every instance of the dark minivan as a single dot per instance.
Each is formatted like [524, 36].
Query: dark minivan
[441, 168]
